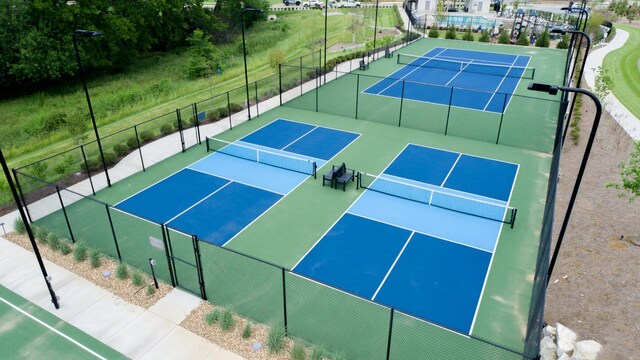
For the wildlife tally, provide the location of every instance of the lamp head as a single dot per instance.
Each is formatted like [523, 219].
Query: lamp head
[549, 89]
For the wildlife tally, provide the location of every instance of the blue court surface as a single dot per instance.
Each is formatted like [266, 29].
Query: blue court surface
[465, 78]
[427, 261]
[219, 196]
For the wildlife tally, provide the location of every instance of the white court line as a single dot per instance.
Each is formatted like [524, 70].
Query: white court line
[493, 255]
[516, 88]
[196, 204]
[392, 266]
[412, 71]
[239, 182]
[298, 138]
[459, 72]
[451, 170]
[49, 327]
[502, 81]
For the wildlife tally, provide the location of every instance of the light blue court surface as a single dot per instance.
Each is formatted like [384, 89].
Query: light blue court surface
[427, 261]
[219, 196]
[465, 78]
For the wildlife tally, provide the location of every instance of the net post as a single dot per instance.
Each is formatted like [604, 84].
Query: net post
[390, 333]
[86, 166]
[206, 142]
[357, 93]
[514, 213]
[315, 170]
[229, 111]
[66, 217]
[284, 300]
[446, 126]
[504, 108]
[401, 102]
[113, 232]
[135, 129]
[280, 81]
[398, 58]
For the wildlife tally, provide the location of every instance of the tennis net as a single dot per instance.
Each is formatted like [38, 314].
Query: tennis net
[467, 66]
[282, 161]
[449, 201]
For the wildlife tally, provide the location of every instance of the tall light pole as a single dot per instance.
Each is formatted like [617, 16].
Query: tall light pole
[244, 55]
[326, 21]
[90, 33]
[375, 30]
[552, 90]
[34, 245]
[584, 61]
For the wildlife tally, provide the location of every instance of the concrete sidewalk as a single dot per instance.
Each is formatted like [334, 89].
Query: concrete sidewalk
[611, 104]
[134, 332]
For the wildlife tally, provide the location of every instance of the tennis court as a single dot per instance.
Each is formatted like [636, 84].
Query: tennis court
[420, 238]
[217, 197]
[483, 80]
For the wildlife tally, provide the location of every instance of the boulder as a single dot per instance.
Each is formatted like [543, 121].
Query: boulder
[586, 350]
[566, 340]
[548, 349]
[564, 357]
[549, 331]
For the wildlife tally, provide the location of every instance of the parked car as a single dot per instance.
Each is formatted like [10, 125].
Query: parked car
[348, 4]
[292, 2]
[315, 4]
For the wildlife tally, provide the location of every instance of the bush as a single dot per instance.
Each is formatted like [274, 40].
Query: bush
[137, 279]
[226, 320]
[94, 164]
[81, 252]
[275, 339]
[297, 352]
[65, 248]
[223, 112]
[451, 33]
[150, 290]
[338, 356]
[146, 135]
[40, 234]
[523, 39]
[317, 353]
[19, 227]
[433, 32]
[132, 143]
[110, 158]
[53, 240]
[122, 271]
[503, 37]
[212, 316]
[235, 107]
[120, 149]
[467, 36]
[95, 259]
[246, 331]
[564, 42]
[484, 36]
[543, 39]
[166, 129]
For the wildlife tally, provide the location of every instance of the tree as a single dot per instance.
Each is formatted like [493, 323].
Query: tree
[564, 42]
[503, 37]
[440, 15]
[603, 83]
[433, 32]
[484, 36]
[276, 57]
[629, 176]
[451, 33]
[543, 39]
[523, 38]
[203, 56]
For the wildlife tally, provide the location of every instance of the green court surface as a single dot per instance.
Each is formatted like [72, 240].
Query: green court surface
[284, 234]
[29, 332]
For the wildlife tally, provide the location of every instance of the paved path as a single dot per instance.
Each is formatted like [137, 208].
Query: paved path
[611, 104]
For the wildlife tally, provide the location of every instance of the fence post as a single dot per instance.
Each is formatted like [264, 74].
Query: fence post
[15, 176]
[504, 106]
[301, 78]
[357, 93]
[135, 129]
[401, 102]
[167, 250]
[64, 212]
[280, 81]
[196, 250]
[229, 111]
[86, 166]
[390, 332]
[180, 129]
[284, 301]
[113, 232]
[317, 77]
[257, 108]
[446, 126]
[196, 122]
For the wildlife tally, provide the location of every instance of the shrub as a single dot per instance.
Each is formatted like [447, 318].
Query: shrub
[317, 353]
[433, 32]
[19, 227]
[503, 37]
[40, 234]
[166, 129]
[223, 112]
[122, 271]
[235, 107]
[543, 39]
[297, 352]
[65, 248]
[212, 316]
[110, 158]
[95, 259]
[137, 279]
[226, 320]
[53, 240]
[121, 149]
[338, 356]
[246, 330]
[81, 252]
[146, 135]
[150, 290]
[275, 339]
[94, 164]
[451, 33]
[484, 36]
[132, 142]
[564, 42]
[523, 39]
[467, 36]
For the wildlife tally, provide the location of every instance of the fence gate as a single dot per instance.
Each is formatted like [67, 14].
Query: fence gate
[184, 253]
[188, 126]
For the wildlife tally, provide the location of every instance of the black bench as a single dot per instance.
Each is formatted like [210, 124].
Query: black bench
[387, 52]
[364, 65]
[333, 174]
[344, 177]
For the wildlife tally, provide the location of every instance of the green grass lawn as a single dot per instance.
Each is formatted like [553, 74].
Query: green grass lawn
[622, 65]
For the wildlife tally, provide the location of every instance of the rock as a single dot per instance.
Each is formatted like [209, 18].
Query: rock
[548, 348]
[566, 340]
[549, 331]
[586, 350]
[564, 357]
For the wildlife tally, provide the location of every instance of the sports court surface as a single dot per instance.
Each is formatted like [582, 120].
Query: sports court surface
[28, 332]
[482, 80]
[428, 261]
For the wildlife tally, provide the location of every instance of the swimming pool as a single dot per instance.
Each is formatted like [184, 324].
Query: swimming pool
[468, 21]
